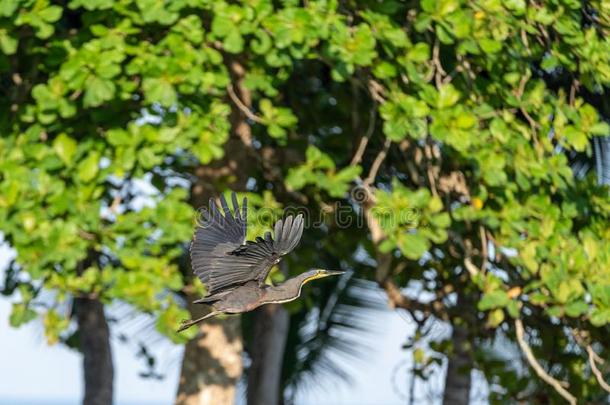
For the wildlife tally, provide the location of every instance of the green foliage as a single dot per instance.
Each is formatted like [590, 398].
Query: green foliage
[487, 105]
[320, 171]
[412, 220]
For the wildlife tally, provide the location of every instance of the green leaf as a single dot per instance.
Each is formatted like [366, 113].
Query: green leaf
[576, 308]
[568, 290]
[419, 355]
[160, 91]
[413, 245]
[54, 325]
[495, 318]
[21, 314]
[600, 129]
[98, 91]
[419, 53]
[8, 44]
[538, 298]
[89, 167]
[489, 45]
[51, 13]
[493, 299]
[8, 7]
[297, 178]
[65, 147]
[147, 158]
[513, 308]
[447, 96]
[442, 220]
[118, 137]
[600, 317]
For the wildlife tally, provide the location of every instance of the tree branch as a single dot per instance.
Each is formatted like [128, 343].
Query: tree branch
[365, 138]
[470, 267]
[529, 355]
[242, 107]
[436, 60]
[593, 358]
[377, 163]
[484, 252]
[384, 264]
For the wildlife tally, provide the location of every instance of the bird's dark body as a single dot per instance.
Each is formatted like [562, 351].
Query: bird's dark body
[241, 299]
[234, 270]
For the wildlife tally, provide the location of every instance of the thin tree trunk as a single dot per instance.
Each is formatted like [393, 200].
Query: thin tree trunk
[459, 367]
[97, 355]
[212, 363]
[270, 333]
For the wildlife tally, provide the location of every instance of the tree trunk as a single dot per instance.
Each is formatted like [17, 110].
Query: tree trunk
[95, 346]
[212, 362]
[270, 333]
[458, 379]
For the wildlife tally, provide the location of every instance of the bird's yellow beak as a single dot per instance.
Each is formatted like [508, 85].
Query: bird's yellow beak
[332, 273]
[321, 273]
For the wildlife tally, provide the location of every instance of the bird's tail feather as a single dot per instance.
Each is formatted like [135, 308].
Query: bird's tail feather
[187, 324]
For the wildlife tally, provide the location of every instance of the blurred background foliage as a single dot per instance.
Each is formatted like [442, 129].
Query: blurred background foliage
[459, 134]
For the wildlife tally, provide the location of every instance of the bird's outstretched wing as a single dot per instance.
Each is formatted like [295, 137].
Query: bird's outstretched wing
[259, 256]
[215, 236]
[221, 260]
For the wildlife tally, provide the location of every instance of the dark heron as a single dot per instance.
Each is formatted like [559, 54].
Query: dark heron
[233, 270]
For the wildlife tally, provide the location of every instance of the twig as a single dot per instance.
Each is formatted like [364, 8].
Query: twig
[440, 72]
[242, 107]
[75, 95]
[522, 84]
[377, 163]
[432, 170]
[526, 42]
[533, 124]
[472, 269]
[383, 272]
[116, 202]
[484, 252]
[432, 181]
[466, 67]
[377, 91]
[398, 300]
[573, 89]
[450, 76]
[593, 358]
[529, 118]
[86, 235]
[365, 138]
[529, 355]
[360, 151]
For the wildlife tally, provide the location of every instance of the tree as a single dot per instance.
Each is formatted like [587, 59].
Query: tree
[445, 127]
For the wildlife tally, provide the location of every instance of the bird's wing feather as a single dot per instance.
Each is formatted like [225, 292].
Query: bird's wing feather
[215, 236]
[259, 256]
[220, 259]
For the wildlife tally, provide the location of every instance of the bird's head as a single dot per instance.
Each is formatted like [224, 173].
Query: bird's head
[319, 273]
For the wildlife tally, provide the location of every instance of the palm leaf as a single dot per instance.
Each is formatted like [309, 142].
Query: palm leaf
[333, 334]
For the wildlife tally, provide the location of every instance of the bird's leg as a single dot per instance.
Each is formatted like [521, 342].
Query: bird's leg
[187, 324]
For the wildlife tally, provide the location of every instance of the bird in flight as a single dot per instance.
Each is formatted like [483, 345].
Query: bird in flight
[234, 270]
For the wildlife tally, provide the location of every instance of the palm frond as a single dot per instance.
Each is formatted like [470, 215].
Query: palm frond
[332, 335]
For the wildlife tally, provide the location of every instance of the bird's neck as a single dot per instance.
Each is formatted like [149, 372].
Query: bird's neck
[288, 291]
